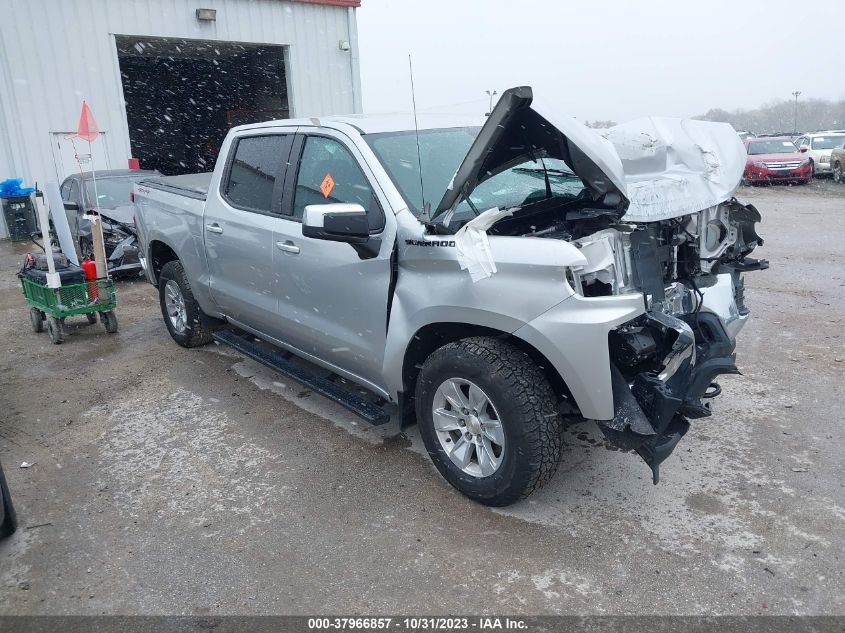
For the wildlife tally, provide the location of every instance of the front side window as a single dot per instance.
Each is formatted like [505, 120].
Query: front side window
[329, 174]
[255, 166]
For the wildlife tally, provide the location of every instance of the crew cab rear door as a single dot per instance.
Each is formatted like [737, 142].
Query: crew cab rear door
[334, 300]
[238, 225]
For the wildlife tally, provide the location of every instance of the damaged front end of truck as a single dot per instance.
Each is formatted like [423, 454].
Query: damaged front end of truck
[664, 363]
[656, 219]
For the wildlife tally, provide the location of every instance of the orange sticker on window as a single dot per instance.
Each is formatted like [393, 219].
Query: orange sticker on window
[327, 185]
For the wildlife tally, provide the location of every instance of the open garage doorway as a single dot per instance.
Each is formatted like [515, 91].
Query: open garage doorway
[182, 96]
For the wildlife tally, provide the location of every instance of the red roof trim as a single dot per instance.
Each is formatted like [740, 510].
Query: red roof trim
[333, 3]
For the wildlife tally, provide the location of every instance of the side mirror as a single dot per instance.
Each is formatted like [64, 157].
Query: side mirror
[71, 206]
[803, 149]
[336, 223]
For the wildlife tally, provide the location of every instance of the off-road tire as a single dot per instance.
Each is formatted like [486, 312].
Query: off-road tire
[56, 330]
[527, 406]
[36, 318]
[197, 327]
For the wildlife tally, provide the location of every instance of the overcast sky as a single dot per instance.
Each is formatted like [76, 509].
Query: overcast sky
[601, 59]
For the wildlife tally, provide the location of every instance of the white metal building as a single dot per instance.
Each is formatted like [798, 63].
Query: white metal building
[164, 79]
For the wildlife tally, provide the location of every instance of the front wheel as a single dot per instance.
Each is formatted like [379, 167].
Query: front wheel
[109, 319]
[837, 173]
[489, 420]
[56, 330]
[182, 314]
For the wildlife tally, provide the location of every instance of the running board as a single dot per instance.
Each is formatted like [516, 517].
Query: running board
[278, 361]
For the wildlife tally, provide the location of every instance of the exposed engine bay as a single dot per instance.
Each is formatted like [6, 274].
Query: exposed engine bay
[690, 272]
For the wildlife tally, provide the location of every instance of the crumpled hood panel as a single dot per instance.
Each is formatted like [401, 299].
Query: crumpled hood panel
[123, 214]
[674, 167]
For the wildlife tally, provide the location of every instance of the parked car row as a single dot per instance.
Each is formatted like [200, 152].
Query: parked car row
[797, 160]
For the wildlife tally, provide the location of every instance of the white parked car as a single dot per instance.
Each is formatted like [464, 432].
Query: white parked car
[818, 145]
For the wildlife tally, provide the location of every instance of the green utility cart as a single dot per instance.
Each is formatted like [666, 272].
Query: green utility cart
[56, 304]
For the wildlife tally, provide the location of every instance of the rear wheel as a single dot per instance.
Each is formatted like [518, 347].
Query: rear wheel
[36, 317]
[183, 317]
[489, 420]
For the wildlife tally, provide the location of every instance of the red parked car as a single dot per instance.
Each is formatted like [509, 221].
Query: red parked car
[776, 159]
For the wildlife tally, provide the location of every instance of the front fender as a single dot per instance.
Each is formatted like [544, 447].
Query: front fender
[573, 337]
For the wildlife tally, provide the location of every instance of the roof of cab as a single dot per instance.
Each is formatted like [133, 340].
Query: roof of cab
[377, 123]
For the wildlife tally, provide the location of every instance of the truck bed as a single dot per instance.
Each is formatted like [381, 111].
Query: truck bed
[191, 185]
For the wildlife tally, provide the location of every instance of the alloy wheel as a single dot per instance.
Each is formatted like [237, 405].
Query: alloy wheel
[468, 427]
[174, 303]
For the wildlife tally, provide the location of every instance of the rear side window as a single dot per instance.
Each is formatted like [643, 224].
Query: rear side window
[255, 166]
[328, 174]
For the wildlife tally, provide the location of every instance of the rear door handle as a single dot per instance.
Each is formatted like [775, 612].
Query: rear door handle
[214, 228]
[288, 247]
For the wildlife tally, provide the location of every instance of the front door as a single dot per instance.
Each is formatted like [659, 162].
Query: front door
[238, 228]
[334, 302]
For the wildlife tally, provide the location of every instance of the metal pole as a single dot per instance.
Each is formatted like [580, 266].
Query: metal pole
[98, 239]
[795, 94]
[491, 94]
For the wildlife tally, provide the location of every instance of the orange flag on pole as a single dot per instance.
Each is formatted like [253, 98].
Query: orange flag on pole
[87, 129]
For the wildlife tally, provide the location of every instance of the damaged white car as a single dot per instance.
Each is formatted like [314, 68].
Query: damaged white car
[496, 282]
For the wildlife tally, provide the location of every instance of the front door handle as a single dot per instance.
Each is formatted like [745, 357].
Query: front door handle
[288, 247]
[214, 228]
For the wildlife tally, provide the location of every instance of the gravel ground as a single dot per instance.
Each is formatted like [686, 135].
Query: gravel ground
[173, 481]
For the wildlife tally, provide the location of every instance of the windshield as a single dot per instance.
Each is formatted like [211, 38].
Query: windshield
[441, 152]
[111, 192]
[772, 147]
[828, 142]
[522, 185]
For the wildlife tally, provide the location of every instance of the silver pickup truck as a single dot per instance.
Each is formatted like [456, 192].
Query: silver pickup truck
[494, 281]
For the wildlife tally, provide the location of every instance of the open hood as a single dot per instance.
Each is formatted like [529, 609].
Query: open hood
[519, 129]
[674, 167]
[123, 214]
[659, 167]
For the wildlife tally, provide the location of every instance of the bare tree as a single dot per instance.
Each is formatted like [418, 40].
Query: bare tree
[779, 116]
